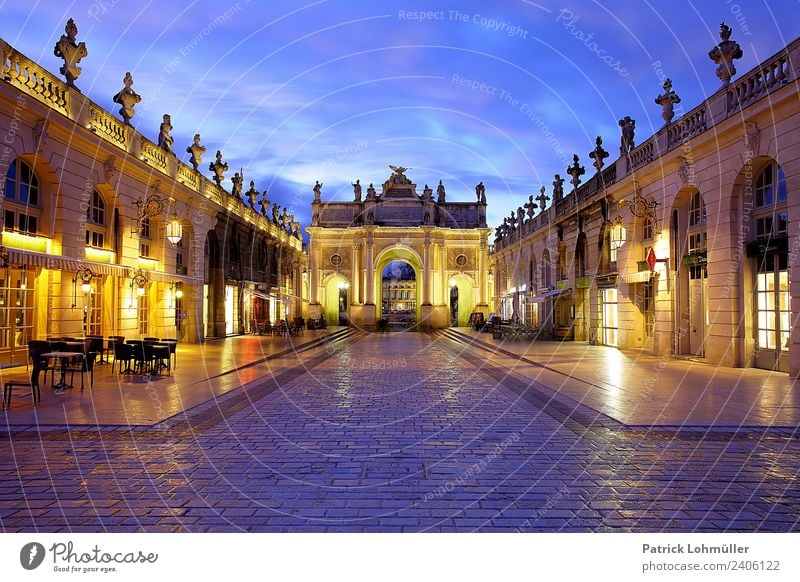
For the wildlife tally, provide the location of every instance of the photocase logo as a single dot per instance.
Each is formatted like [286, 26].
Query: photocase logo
[31, 555]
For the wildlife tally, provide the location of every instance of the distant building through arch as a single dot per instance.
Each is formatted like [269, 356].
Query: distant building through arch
[444, 243]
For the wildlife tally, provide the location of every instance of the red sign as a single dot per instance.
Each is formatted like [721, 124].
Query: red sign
[651, 259]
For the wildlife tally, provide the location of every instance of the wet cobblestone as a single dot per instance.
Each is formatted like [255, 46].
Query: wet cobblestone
[397, 433]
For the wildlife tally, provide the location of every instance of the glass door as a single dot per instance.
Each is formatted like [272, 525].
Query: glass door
[16, 314]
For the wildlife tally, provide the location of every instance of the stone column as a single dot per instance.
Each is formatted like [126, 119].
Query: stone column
[369, 318]
[369, 296]
[356, 283]
[482, 257]
[313, 286]
[443, 273]
[426, 271]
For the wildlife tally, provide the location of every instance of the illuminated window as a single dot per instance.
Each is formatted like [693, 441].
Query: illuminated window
[22, 210]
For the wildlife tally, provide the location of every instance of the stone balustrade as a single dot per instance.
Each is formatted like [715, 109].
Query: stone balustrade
[108, 127]
[32, 79]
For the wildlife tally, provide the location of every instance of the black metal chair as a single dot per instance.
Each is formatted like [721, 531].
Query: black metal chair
[84, 364]
[123, 353]
[173, 349]
[142, 357]
[39, 364]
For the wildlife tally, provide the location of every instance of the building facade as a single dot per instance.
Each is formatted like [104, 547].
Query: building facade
[351, 243]
[106, 232]
[687, 244]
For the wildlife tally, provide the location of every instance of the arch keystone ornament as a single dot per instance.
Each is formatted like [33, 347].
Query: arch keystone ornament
[398, 224]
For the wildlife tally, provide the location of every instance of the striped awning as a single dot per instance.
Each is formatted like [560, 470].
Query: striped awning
[638, 277]
[554, 294]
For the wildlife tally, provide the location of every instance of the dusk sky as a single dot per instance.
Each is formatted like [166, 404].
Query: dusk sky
[501, 92]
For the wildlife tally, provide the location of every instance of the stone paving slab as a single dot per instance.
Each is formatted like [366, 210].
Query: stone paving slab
[395, 432]
[203, 373]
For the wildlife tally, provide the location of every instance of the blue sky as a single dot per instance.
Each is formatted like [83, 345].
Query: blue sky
[502, 92]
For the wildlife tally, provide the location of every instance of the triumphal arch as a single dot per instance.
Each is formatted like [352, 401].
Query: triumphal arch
[353, 242]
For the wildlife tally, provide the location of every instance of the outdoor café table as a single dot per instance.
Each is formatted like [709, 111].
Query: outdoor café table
[63, 357]
[162, 352]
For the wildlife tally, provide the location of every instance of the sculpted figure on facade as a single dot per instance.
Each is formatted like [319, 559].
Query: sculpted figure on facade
[165, 140]
[440, 193]
[357, 191]
[317, 191]
[628, 127]
[668, 100]
[276, 211]
[427, 193]
[236, 189]
[128, 98]
[71, 51]
[480, 193]
[558, 188]
[252, 193]
[219, 168]
[196, 150]
[724, 54]
[264, 203]
[371, 195]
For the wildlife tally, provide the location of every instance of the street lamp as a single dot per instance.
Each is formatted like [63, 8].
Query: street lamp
[85, 276]
[139, 280]
[619, 234]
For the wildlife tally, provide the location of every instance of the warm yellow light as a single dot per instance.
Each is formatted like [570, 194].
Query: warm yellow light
[344, 285]
[174, 230]
[140, 291]
[86, 287]
[179, 292]
[452, 282]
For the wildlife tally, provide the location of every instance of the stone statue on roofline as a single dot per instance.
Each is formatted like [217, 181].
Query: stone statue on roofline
[264, 203]
[724, 54]
[196, 150]
[440, 193]
[667, 100]
[628, 127]
[251, 194]
[276, 211]
[357, 191]
[558, 188]
[236, 188]
[72, 52]
[219, 168]
[165, 140]
[128, 98]
[480, 193]
[317, 191]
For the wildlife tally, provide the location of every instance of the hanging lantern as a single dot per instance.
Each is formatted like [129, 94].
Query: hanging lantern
[174, 230]
[619, 234]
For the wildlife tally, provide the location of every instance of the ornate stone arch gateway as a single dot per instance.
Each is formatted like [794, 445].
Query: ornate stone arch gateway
[444, 242]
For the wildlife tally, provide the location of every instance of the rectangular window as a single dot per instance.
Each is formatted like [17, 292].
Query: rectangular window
[144, 249]
[143, 308]
[95, 239]
[648, 309]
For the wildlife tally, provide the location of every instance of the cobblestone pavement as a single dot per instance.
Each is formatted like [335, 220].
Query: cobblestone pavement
[396, 432]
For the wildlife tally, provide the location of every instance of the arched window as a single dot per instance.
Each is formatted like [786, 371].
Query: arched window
[697, 224]
[772, 299]
[22, 205]
[96, 222]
